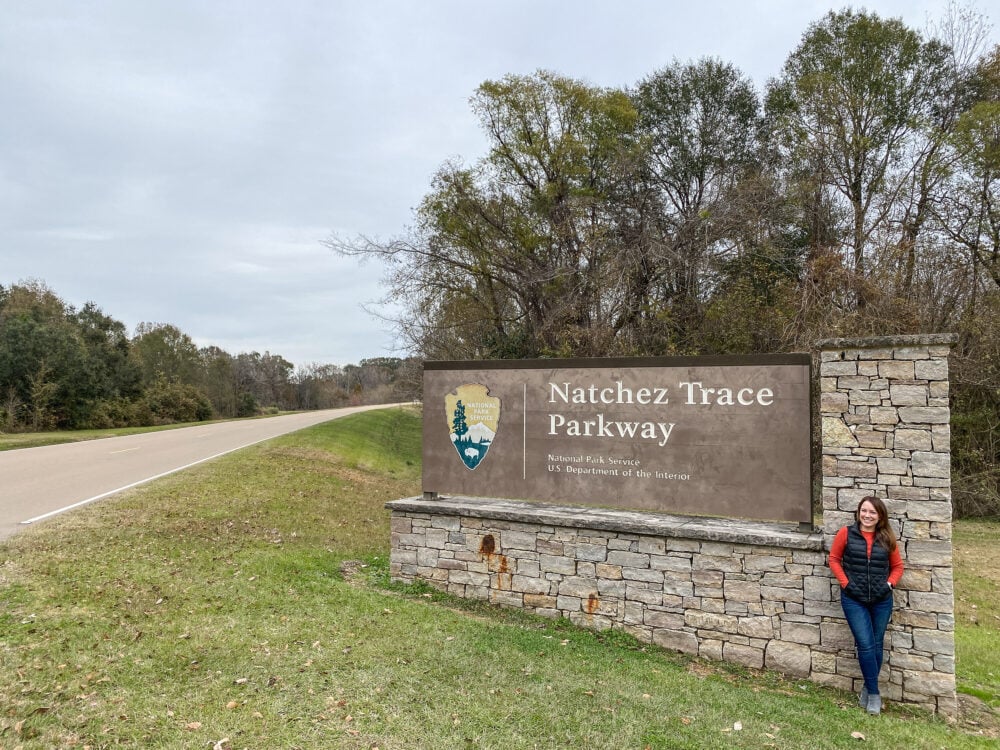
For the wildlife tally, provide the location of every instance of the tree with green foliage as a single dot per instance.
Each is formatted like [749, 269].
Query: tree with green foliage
[514, 255]
[459, 427]
[851, 111]
[43, 357]
[169, 401]
[700, 124]
[968, 215]
[218, 381]
[163, 350]
[970, 210]
[113, 371]
[60, 367]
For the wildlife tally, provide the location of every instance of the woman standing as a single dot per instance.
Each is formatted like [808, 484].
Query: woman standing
[866, 560]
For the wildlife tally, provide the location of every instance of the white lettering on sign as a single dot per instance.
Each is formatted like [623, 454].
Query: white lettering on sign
[698, 394]
[599, 427]
[616, 394]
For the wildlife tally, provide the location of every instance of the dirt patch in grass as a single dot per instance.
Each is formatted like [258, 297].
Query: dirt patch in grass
[351, 570]
[975, 717]
[702, 669]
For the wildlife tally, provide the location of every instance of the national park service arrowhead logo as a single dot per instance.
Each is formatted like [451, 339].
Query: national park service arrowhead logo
[473, 418]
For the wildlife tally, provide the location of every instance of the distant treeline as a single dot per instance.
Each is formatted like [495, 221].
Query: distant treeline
[63, 368]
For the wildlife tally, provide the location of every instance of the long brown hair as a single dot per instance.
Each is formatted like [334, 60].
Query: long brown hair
[883, 531]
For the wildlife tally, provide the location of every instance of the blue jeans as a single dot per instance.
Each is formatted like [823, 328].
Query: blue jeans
[868, 623]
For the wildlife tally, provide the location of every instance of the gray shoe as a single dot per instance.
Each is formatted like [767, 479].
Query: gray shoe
[875, 704]
[863, 698]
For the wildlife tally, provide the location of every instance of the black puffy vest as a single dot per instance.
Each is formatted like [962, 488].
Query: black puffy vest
[867, 577]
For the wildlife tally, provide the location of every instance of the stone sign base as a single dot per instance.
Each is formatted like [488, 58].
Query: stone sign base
[752, 593]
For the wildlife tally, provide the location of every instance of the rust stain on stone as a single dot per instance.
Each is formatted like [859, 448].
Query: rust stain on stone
[592, 604]
[505, 580]
[488, 545]
[496, 563]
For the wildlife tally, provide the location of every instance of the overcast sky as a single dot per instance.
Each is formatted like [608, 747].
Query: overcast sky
[180, 161]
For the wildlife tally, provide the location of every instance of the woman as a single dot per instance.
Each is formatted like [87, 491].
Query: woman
[866, 560]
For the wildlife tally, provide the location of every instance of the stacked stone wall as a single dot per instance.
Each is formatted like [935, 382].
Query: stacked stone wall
[752, 595]
[755, 594]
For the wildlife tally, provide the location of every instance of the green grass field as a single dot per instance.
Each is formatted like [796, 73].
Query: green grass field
[977, 609]
[246, 604]
[14, 440]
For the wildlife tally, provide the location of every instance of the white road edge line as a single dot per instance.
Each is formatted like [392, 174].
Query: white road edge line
[141, 481]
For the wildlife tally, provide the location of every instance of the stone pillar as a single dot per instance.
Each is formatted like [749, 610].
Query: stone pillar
[885, 427]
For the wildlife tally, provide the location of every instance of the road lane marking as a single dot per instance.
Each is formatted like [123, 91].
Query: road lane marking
[141, 481]
[124, 450]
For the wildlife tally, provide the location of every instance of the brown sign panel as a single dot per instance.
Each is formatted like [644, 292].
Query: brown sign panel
[715, 436]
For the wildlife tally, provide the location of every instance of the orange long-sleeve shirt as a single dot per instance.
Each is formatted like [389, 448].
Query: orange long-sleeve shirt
[837, 556]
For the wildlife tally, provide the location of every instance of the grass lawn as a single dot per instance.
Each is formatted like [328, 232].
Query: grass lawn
[245, 603]
[14, 440]
[977, 609]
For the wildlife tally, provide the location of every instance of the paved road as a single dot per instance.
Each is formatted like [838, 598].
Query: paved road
[38, 483]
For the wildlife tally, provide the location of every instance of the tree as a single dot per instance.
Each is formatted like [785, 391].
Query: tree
[320, 386]
[163, 350]
[458, 425]
[168, 402]
[970, 211]
[42, 355]
[961, 32]
[265, 379]
[275, 374]
[849, 109]
[43, 390]
[700, 123]
[512, 257]
[219, 381]
[113, 372]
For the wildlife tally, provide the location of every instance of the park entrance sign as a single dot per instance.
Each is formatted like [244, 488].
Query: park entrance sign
[669, 498]
[708, 436]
